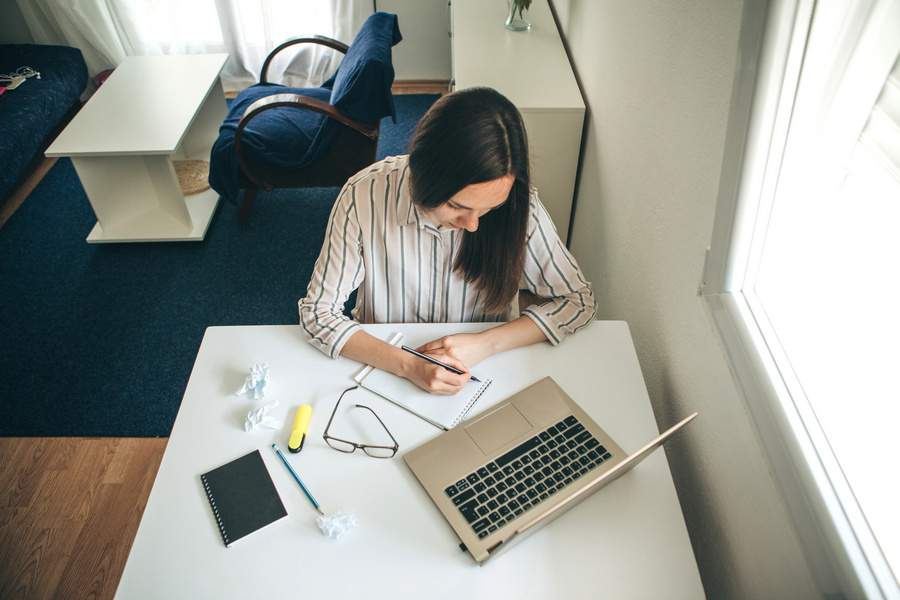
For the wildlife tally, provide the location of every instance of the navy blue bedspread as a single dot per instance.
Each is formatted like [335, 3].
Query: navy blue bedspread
[31, 113]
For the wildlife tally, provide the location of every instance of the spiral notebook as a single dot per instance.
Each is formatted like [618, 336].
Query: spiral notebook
[242, 497]
[444, 412]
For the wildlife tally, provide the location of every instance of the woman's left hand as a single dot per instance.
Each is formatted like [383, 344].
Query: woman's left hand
[468, 348]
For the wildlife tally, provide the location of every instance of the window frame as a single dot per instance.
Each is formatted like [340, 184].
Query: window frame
[841, 552]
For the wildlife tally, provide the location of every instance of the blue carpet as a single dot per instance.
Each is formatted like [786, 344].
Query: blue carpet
[99, 340]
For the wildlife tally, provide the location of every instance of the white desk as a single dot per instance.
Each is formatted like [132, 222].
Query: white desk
[627, 541]
[151, 110]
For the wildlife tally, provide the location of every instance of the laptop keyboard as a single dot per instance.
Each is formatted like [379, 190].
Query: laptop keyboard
[519, 480]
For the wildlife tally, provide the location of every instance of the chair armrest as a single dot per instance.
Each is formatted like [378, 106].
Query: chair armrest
[306, 103]
[292, 101]
[318, 39]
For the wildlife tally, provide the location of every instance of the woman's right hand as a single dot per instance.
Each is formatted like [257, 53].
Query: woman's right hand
[435, 379]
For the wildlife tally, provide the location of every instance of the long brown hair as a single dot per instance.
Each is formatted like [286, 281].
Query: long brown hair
[472, 136]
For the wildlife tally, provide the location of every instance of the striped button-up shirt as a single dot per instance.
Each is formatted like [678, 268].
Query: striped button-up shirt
[378, 241]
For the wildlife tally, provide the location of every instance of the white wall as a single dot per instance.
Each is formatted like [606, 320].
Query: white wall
[657, 76]
[13, 29]
[424, 52]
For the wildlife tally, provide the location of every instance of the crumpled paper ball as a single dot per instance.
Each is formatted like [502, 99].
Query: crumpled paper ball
[256, 382]
[260, 417]
[336, 525]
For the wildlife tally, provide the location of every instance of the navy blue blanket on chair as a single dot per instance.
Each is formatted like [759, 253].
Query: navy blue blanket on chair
[291, 138]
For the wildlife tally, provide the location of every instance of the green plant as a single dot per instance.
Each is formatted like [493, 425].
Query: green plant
[521, 6]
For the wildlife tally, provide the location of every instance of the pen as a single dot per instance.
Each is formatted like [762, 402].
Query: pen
[438, 363]
[299, 481]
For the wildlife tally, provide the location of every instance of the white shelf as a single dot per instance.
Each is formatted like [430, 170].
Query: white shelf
[155, 227]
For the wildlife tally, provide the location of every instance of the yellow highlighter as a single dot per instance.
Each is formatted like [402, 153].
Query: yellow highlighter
[298, 430]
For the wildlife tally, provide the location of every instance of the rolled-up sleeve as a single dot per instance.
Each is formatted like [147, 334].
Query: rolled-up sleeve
[552, 273]
[339, 270]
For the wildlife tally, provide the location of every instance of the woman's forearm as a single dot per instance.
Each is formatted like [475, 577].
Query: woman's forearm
[368, 349]
[514, 334]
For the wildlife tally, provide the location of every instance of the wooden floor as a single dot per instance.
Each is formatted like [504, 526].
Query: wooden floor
[18, 196]
[69, 511]
[70, 507]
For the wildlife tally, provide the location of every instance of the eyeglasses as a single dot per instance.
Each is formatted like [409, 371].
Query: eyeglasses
[350, 447]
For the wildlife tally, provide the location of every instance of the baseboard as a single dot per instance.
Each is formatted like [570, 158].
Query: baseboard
[421, 86]
[405, 86]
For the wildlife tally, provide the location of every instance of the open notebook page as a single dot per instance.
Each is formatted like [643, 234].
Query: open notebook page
[441, 411]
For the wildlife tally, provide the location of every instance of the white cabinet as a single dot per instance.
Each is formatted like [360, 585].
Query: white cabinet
[532, 70]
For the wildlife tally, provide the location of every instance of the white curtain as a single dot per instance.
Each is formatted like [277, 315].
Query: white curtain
[106, 31]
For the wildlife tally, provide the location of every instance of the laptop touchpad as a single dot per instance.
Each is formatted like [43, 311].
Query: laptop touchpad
[498, 428]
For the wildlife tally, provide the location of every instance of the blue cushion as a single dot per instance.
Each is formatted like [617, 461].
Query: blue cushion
[31, 113]
[281, 137]
[362, 85]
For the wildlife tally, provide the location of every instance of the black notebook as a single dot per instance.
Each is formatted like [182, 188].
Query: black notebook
[243, 497]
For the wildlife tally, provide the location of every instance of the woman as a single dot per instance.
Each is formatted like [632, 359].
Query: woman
[448, 233]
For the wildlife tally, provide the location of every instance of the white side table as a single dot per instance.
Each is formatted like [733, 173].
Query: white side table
[152, 110]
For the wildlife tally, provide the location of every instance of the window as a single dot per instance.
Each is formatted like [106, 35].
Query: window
[107, 31]
[803, 274]
[204, 25]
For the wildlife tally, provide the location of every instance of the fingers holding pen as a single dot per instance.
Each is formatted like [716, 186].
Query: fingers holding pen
[442, 381]
[436, 379]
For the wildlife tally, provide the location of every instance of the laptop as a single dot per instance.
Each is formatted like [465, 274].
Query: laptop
[505, 473]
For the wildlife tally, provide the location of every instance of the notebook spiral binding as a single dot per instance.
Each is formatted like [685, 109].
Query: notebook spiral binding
[215, 509]
[472, 401]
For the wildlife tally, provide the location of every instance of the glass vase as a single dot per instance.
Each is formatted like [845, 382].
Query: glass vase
[515, 20]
